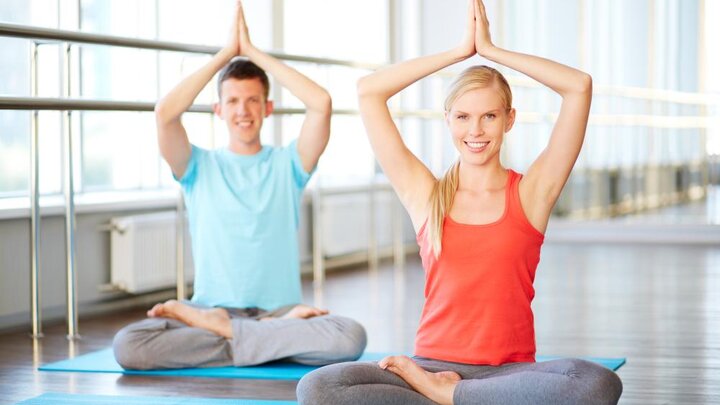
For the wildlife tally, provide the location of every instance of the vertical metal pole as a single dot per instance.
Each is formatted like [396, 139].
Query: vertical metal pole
[394, 39]
[36, 358]
[180, 247]
[71, 278]
[80, 115]
[318, 258]
[35, 306]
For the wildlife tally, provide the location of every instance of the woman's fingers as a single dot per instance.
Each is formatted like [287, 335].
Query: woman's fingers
[482, 28]
[468, 43]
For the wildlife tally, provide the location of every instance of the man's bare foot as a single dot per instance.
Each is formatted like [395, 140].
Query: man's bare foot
[439, 387]
[301, 311]
[162, 309]
[216, 320]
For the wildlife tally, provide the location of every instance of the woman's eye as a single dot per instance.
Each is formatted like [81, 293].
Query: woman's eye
[490, 116]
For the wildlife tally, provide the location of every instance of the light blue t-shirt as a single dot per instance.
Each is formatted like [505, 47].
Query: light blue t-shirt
[243, 212]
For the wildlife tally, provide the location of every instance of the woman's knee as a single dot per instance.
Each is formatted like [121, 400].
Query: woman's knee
[609, 385]
[603, 386]
[319, 386]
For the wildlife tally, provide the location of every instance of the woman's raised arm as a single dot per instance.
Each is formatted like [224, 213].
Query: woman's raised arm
[546, 177]
[412, 181]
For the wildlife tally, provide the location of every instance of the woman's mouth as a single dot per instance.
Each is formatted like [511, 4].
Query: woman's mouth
[476, 146]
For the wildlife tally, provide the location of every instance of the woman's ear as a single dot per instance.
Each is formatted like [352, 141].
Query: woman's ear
[511, 120]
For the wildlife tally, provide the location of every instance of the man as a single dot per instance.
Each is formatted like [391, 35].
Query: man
[243, 205]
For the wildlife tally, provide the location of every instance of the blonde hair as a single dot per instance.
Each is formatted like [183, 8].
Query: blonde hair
[443, 192]
[478, 77]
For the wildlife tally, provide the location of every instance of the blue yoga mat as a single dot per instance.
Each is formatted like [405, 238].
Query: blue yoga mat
[103, 361]
[72, 399]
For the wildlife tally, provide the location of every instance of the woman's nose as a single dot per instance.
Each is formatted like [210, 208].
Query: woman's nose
[476, 128]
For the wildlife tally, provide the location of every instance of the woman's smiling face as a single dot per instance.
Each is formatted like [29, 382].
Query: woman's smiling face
[478, 121]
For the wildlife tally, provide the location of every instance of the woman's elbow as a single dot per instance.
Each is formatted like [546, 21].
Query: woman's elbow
[364, 87]
[585, 84]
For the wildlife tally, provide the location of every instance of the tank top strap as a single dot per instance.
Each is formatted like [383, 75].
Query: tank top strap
[513, 194]
[515, 210]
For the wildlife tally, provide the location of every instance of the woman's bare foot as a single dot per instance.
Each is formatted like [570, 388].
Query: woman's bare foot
[216, 320]
[301, 311]
[439, 387]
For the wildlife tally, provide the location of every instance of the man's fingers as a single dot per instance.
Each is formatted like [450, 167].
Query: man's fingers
[241, 12]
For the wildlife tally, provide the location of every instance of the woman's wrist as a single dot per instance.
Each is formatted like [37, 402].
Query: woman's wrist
[488, 52]
[459, 54]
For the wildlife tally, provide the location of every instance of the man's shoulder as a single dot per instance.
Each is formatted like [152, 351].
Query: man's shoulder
[201, 151]
[280, 153]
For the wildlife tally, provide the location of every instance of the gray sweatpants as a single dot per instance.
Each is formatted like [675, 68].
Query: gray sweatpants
[558, 382]
[162, 343]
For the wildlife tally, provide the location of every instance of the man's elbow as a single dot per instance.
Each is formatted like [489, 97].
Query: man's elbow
[324, 103]
[162, 115]
[321, 104]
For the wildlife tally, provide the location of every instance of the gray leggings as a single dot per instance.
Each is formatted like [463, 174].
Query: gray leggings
[557, 382]
[162, 343]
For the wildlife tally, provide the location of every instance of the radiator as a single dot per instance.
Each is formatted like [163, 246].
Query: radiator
[142, 252]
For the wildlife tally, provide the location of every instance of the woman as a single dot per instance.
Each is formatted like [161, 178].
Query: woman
[480, 229]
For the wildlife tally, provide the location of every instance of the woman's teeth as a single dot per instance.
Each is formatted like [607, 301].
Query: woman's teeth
[476, 145]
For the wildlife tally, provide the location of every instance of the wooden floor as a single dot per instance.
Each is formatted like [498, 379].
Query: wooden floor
[659, 306]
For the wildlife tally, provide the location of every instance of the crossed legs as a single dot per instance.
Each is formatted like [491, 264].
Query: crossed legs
[178, 335]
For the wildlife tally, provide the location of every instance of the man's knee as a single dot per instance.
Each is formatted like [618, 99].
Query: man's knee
[130, 345]
[351, 340]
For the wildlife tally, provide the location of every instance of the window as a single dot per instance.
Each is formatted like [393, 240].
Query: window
[308, 31]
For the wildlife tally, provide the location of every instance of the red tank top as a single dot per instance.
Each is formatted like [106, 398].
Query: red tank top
[478, 292]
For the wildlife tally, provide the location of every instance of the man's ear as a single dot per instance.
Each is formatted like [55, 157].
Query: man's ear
[269, 108]
[217, 109]
[511, 120]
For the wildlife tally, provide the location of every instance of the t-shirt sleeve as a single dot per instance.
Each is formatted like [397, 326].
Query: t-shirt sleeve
[188, 178]
[300, 176]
